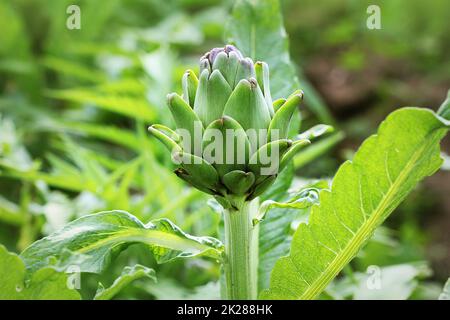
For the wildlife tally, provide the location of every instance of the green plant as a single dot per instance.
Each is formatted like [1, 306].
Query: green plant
[234, 144]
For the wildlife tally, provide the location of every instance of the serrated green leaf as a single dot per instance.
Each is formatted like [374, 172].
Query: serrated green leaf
[45, 284]
[129, 274]
[364, 192]
[90, 242]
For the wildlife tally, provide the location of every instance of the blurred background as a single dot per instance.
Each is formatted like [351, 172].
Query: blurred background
[75, 105]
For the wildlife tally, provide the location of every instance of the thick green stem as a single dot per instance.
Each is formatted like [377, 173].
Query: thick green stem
[241, 251]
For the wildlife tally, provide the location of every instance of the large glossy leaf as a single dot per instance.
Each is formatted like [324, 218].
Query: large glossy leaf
[256, 27]
[90, 242]
[364, 192]
[45, 284]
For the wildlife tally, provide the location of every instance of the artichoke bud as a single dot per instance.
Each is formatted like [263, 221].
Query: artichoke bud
[212, 94]
[231, 139]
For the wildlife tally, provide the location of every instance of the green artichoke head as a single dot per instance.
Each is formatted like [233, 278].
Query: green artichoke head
[231, 139]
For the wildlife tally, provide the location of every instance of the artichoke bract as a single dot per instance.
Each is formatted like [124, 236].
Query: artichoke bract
[231, 138]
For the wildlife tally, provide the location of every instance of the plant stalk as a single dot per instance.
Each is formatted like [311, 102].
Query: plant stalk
[241, 251]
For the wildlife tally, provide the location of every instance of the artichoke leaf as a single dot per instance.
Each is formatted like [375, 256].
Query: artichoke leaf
[247, 106]
[296, 147]
[278, 103]
[212, 94]
[198, 168]
[315, 132]
[196, 182]
[189, 82]
[262, 76]
[279, 126]
[266, 161]
[188, 124]
[167, 136]
[227, 65]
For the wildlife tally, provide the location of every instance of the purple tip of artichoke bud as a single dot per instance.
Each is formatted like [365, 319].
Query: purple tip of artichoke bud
[205, 64]
[230, 48]
[248, 64]
[212, 54]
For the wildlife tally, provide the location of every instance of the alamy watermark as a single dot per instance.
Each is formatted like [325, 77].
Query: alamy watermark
[73, 21]
[73, 277]
[373, 281]
[374, 19]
